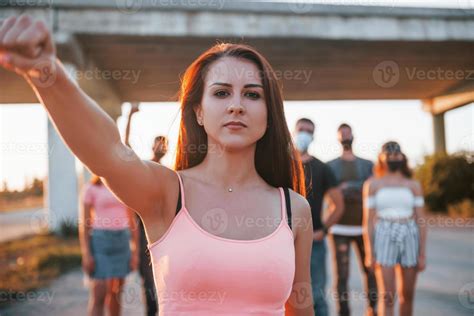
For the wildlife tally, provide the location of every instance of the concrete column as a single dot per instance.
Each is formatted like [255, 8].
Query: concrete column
[439, 134]
[62, 199]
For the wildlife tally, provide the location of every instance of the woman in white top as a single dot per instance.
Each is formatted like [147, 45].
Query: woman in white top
[393, 237]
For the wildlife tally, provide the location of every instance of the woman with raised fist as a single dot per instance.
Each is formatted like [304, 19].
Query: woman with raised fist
[229, 229]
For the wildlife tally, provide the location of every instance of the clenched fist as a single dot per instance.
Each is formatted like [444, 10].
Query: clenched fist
[27, 48]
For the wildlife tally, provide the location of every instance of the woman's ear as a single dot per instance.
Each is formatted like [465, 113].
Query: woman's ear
[198, 112]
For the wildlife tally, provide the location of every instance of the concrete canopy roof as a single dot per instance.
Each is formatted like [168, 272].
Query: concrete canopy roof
[320, 52]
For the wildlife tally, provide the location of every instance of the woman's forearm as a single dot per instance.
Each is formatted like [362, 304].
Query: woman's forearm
[87, 129]
[84, 231]
[368, 233]
[423, 231]
[84, 240]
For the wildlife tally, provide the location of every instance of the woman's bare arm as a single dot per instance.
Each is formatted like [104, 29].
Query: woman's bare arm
[422, 224]
[84, 228]
[84, 237]
[368, 223]
[300, 301]
[133, 109]
[26, 47]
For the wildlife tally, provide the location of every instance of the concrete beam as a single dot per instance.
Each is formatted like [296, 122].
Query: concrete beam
[41, 12]
[257, 25]
[69, 50]
[98, 84]
[459, 96]
[278, 7]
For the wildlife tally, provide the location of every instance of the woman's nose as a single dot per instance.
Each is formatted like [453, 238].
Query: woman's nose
[235, 108]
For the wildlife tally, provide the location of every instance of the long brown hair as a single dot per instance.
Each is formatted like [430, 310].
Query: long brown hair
[95, 180]
[380, 169]
[276, 159]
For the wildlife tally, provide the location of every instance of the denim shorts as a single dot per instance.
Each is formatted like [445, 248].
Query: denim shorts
[111, 252]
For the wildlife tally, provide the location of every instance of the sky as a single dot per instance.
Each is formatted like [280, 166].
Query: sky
[23, 133]
[23, 137]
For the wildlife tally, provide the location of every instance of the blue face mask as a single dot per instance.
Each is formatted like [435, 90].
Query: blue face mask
[302, 141]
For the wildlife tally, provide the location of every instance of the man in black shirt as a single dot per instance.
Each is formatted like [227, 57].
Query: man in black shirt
[320, 185]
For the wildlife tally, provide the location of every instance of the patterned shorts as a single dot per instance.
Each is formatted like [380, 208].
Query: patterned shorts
[396, 243]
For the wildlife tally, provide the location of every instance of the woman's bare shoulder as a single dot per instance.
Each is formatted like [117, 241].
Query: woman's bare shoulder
[300, 212]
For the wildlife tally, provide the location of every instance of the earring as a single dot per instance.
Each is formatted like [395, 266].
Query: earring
[199, 122]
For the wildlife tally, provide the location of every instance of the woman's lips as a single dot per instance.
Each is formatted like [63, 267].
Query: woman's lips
[235, 126]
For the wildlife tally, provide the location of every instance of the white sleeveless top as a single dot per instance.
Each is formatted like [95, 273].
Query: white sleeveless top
[394, 202]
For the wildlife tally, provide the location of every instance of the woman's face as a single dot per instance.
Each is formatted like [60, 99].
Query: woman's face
[233, 110]
[392, 156]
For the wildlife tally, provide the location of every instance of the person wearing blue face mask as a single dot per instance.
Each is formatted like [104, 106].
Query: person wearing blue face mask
[320, 185]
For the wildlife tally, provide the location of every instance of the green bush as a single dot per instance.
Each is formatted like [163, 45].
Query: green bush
[446, 180]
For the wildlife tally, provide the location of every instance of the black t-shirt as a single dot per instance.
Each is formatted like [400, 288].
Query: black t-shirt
[319, 179]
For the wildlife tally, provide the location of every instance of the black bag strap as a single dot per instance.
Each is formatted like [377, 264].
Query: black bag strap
[178, 207]
[288, 205]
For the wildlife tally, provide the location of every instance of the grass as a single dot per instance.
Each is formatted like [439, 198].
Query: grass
[33, 262]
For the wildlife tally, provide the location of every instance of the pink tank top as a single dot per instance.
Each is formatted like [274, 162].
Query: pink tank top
[198, 273]
[108, 211]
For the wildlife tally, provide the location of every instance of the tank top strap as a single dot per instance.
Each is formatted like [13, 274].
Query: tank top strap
[286, 205]
[180, 203]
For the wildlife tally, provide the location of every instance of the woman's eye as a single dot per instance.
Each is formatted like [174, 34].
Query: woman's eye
[221, 93]
[253, 95]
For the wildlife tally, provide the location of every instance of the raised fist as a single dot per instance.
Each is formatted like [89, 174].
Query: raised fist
[27, 48]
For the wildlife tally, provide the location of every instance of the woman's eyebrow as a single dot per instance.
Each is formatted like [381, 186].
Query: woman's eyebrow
[249, 85]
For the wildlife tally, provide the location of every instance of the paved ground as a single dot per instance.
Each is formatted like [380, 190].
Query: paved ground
[445, 288]
[22, 222]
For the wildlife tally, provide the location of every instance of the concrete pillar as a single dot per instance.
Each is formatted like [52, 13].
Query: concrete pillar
[62, 199]
[62, 186]
[439, 134]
